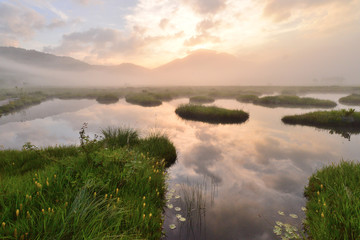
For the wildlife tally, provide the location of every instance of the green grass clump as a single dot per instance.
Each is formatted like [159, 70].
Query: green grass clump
[293, 101]
[333, 207]
[23, 101]
[336, 118]
[201, 99]
[211, 114]
[107, 99]
[86, 192]
[247, 98]
[158, 146]
[353, 99]
[155, 145]
[143, 99]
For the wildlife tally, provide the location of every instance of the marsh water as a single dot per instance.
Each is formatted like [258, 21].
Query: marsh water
[230, 181]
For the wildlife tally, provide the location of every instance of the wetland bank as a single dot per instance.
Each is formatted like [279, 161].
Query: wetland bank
[245, 173]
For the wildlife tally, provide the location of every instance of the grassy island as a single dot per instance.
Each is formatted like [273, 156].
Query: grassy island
[333, 206]
[143, 99]
[336, 118]
[293, 101]
[107, 99]
[201, 99]
[247, 98]
[111, 188]
[211, 114]
[353, 99]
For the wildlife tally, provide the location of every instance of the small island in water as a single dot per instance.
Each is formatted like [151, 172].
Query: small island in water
[211, 114]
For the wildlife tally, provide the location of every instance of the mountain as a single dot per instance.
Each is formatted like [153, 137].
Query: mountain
[42, 60]
[205, 67]
[202, 67]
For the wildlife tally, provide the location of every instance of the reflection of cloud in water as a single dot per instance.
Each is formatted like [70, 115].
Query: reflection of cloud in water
[202, 157]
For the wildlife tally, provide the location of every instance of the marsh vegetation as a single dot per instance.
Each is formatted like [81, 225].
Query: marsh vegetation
[100, 189]
[211, 114]
[333, 207]
[201, 99]
[293, 101]
[353, 99]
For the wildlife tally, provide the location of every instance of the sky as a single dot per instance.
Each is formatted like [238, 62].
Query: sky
[153, 32]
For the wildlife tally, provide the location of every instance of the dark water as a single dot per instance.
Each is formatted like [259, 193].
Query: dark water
[232, 179]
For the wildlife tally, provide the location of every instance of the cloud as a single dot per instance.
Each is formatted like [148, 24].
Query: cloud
[18, 22]
[281, 10]
[206, 6]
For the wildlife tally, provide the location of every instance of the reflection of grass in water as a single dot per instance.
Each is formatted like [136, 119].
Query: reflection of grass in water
[189, 203]
[201, 99]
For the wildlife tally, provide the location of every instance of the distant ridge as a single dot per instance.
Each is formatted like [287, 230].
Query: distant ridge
[40, 59]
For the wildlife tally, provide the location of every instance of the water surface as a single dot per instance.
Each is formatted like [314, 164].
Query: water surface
[243, 173]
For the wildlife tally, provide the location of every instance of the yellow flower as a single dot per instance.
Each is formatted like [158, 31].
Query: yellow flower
[150, 178]
[27, 214]
[144, 204]
[117, 190]
[144, 216]
[117, 200]
[144, 198]
[54, 175]
[49, 209]
[43, 211]
[47, 183]
[105, 196]
[94, 194]
[110, 196]
[318, 193]
[321, 186]
[324, 204]
[150, 215]
[3, 225]
[17, 212]
[322, 214]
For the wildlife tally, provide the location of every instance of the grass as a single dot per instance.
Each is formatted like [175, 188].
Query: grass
[201, 99]
[335, 118]
[21, 102]
[86, 192]
[107, 99]
[353, 99]
[333, 206]
[293, 101]
[143, 99]
[247, 98]
[211, 114]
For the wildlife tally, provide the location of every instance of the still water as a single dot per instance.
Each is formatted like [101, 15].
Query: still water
[232, 179]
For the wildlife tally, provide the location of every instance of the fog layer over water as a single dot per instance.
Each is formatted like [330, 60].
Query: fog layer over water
[252, 170]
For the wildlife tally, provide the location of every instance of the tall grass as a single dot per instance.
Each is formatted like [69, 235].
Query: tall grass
[119, 137]
[333, 207]
[120, 195]
[143, 99]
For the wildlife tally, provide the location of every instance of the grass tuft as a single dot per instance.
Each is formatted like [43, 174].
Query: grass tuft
[333, 207]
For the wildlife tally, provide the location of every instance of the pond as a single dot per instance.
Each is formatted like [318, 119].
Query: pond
[229, 182]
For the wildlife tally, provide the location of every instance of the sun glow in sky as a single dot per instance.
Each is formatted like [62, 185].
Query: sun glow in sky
[153, 32]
